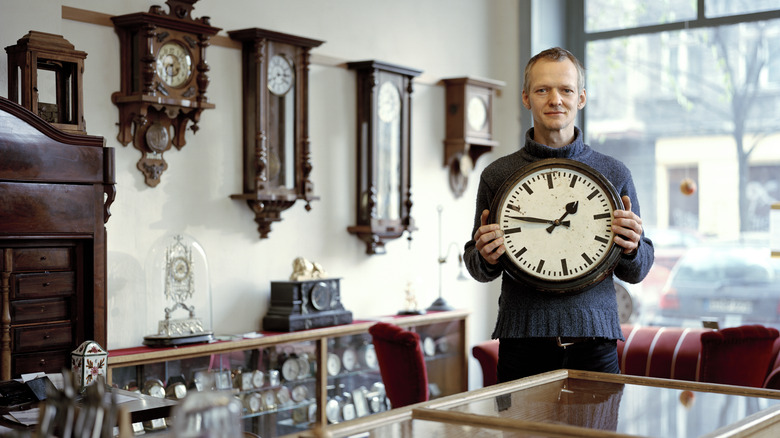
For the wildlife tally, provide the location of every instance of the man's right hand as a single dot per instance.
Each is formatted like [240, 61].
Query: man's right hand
[489, 240]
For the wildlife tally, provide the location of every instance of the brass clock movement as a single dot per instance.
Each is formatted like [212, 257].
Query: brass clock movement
[163, 80]
[384, 98]
[277, 155]
[556, 215]
[45, 76]
[469, 130]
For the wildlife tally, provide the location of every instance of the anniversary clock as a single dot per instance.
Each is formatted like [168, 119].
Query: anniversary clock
[556, 215]
[469, 126]
[384, 190]
[305, 304]
[163, 80]
[277, 157]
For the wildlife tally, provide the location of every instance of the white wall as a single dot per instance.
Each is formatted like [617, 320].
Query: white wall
[444, 38]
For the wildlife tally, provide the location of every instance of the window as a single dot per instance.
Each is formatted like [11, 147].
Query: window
[683, 94]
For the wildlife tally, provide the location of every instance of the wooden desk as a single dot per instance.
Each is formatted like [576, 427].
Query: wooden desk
[582, 404]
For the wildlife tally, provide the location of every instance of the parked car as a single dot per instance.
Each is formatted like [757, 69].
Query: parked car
[730, 284]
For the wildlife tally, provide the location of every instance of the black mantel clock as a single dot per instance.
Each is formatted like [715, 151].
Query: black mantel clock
[305, 304]
[384, 189]
[277, 157]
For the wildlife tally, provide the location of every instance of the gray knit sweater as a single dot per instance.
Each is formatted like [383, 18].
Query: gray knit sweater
[525, 313]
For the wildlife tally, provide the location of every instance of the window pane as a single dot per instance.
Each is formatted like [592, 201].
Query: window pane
[697, 107]
[603, 15]
[722, 8]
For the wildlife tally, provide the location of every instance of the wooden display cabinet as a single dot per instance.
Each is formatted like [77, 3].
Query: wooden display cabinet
[290, 382]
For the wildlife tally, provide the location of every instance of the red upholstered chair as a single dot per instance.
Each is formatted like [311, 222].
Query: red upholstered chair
[401, 364]
[737, 355]
[487, 354]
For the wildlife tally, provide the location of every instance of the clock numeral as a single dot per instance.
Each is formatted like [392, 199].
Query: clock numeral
[520, 252]
[512, 230]
[593, 195]
[563, 265]
[602, 239]
[527, 189]
[573, 181]
[602, 216]
[587, 259]
[539, 266]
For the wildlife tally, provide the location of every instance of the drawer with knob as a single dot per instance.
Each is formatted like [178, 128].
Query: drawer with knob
[42, 259]
[43, 285]
[41, 337]
[31, 311]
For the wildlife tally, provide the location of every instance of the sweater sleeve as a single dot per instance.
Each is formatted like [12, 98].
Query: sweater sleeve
[634, 267]
[479, 269]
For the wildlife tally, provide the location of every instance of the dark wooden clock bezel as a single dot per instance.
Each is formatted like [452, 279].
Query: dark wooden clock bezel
[144, 100]
[375, 231]
[600, 270]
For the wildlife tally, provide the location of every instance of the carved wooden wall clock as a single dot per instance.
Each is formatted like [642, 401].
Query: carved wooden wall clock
[163, 80]
[384, 190]
[277, 156]
[469, 130]
[45, 76]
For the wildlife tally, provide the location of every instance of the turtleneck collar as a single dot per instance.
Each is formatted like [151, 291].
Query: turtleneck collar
[536, 150]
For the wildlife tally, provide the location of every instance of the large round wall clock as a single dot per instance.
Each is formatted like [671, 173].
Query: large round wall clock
[556, 215]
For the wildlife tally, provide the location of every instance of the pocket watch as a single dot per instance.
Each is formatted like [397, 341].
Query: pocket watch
[556, 215]
[349, 359]
[333, 364]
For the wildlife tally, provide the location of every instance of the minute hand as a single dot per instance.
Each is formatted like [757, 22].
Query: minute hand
[537, 220]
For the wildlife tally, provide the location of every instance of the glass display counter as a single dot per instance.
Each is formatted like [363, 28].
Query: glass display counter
[291, 382]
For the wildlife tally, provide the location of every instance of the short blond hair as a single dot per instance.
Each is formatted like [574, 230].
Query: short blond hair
[555, 54]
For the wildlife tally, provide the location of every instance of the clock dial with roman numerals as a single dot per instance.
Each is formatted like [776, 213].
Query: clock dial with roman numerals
[556, 215]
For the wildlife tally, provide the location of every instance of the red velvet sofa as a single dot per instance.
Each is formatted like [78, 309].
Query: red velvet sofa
[676, 353]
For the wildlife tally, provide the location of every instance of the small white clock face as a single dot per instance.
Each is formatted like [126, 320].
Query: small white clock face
[180, 268]
[291, 368]
[155, 388]
[320, 296]
[333, 364]
[368, 356]
[300, 393]
[332, 411]
[389, 106]
[281, 75]
[556, 216]
[257, 378]
[269, 400]
[476, 113]
[429, 346]
[174, 64]
[283, 395]
[349, 359]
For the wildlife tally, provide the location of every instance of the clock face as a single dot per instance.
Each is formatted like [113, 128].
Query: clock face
[180, 268]
[174, 64]
[300, 393]
[283, 395]
[389, 107]
[257, 378]
[332, 411]
[349, 359]
[333, 364]
[368, 356]
[476, 113]
[280, 75]
[556, 215]
[320, 296]
[154, 388]
[291, 368]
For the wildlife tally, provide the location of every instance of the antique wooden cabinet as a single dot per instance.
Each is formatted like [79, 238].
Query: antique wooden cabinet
[55, 192]
[290, 382]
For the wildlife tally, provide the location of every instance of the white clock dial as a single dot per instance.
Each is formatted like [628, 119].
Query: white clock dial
[333, 364]
[349, 359]
[556, 216]
[476, 113]
[389, 107]
[257, 378]
[291, 368]
[174, 64]
[280, 75]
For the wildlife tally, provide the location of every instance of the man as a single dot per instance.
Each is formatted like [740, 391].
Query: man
[542, 332]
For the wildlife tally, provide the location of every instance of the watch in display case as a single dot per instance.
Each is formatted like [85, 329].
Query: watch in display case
[367, 356]
[258, 379]
[349, 359]
[284, 396]
[333, 364]
[291, 368]
[300, 393]
[332, 411]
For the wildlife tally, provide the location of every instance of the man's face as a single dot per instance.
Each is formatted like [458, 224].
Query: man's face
[553, 97]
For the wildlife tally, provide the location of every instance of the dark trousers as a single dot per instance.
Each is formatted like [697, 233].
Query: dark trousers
[523, 357]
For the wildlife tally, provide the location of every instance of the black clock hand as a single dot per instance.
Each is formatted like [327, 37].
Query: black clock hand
[571, 208]
[538, 220]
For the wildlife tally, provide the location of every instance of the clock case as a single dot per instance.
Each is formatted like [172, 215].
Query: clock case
[293, 309]
[602, 270]
[144, 101]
